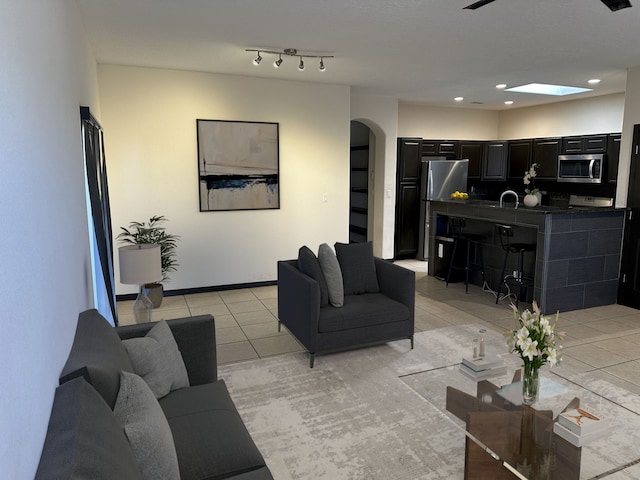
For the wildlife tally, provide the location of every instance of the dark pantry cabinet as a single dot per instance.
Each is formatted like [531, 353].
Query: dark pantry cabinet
[407, 198]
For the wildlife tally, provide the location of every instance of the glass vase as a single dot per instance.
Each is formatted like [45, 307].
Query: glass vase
[530, 385]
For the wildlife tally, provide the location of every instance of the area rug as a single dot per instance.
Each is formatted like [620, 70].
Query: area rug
[364, 414]
[352, 416]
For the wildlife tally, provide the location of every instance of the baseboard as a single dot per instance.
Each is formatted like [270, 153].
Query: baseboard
[190, 291]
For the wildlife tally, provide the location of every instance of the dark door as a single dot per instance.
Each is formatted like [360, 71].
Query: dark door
[407, 221]
[494, 166]
[629, 291]
[519, 158]
[473, 151]
[545, 154]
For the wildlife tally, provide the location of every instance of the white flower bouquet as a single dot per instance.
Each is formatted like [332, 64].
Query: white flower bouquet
[529, 180]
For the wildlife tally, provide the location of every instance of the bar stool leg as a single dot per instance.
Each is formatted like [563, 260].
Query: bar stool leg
[453, 258]
[504, 269]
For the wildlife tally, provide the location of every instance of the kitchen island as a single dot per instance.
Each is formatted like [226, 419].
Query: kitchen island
[577, 250]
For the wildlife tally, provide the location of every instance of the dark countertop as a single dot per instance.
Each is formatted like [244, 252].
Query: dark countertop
[543, 209]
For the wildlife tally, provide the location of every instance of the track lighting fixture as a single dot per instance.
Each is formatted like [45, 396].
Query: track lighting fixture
[291, 52]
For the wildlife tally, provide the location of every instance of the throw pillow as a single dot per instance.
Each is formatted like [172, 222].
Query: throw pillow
[358, 268]
[146, 428]
[332, 274]
[309, 264]
[157, 360]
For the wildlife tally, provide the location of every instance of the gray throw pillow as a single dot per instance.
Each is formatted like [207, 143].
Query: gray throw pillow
[147, 429]
[358, 268]
[332, 274]
[309, 264]
[157, 360]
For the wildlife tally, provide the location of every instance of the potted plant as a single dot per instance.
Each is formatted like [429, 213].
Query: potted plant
[153, 232]
[532, 197]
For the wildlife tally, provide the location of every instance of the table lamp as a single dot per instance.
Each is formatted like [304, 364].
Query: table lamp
[140, 264]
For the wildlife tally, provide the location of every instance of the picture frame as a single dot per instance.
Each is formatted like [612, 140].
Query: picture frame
[238, 165]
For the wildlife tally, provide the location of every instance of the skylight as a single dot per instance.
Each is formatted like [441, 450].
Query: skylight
[545, 89]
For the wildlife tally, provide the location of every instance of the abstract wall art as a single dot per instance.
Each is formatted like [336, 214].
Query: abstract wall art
[238, 165]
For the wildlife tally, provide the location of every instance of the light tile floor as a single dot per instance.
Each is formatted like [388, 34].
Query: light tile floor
[604, 340]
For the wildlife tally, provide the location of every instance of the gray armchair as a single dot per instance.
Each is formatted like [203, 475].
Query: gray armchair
[364, 319]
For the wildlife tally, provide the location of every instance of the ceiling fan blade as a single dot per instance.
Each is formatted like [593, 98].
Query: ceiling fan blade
[615, 5]
[480, 3]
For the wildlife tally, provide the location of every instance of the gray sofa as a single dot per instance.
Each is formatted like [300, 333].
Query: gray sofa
[84, 439]
[364, 319]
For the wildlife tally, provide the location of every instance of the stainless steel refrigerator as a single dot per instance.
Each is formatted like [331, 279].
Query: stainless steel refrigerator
[439, 178]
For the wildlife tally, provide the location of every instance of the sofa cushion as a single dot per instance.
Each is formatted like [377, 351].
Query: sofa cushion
[332, 274]
[362, 311]
[97, 354]
[210, 437]
[79, 416]
[309, 264]
[156, 358]
[146, 428]
[358, 268]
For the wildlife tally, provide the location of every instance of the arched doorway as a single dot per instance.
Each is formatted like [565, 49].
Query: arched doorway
[361, 182]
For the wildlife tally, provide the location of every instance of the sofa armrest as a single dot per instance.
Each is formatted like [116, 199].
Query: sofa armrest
[397, 283]
[298, 303]
[196, 339]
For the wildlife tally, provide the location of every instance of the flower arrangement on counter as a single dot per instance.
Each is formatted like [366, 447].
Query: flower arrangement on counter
[529, 180]
[535, 339]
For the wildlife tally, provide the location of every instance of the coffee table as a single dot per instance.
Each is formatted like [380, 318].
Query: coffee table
[505, 440]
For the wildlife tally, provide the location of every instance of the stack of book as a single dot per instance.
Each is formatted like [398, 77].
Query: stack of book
[580, 425]
[480, 368]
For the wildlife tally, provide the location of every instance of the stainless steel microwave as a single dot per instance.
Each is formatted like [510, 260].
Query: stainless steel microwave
[581, 168]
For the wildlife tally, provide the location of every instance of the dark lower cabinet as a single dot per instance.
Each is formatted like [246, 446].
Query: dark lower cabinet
[407, 224]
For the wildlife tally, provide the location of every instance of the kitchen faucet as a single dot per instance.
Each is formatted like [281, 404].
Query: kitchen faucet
[509, 192]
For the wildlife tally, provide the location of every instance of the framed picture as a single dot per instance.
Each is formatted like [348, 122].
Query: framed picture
[238, 165]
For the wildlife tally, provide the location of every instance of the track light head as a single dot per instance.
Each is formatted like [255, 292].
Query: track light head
[257, 60]
[301, 65]
[322, 68]
[291, 52]
[615, 5]
[278, 62]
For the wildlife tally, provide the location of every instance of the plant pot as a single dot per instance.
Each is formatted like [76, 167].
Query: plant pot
[155, 293]
[530, 200]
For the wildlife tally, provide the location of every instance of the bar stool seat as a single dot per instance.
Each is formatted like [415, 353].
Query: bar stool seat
[471, 240]
[520, 282]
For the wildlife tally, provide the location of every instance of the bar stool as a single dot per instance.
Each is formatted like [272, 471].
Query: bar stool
[471, 240]
[520, 282]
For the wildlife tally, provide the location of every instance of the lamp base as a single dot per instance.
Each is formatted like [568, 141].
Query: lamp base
[142, 307]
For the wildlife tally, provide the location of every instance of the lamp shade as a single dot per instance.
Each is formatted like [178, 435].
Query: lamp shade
[140, 264]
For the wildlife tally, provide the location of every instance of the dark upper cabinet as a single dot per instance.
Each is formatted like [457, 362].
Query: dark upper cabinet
[519, 158]
[494, 165]
[545, 154]
[409, 155]
[441, 148]
[613, 157]
[585, 144]
[474, 151]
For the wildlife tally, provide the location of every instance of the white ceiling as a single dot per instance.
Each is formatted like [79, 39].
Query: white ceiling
[423, 51]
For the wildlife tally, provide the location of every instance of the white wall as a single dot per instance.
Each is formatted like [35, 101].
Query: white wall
[380, 114]
[47, 73]
[446, 123]
[631, 118]
[149, 117]
[601, 114]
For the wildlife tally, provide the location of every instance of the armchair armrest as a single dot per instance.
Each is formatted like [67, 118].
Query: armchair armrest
[397, 283]
[196, 339]
[298, 303]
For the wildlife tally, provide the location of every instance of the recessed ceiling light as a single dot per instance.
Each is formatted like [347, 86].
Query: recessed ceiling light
[508, 102]
[545, 89]
[501, 86]
[594, 81]
[459, 99]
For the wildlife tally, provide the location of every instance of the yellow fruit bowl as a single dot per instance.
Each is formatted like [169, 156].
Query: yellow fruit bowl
[459, 195]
